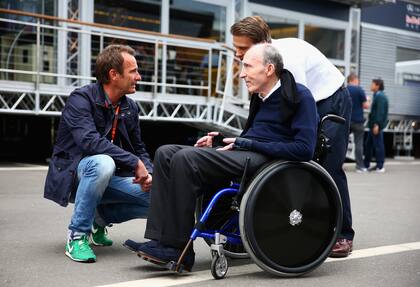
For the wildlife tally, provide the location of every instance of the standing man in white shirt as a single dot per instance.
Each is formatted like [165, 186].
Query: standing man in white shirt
[313, 70]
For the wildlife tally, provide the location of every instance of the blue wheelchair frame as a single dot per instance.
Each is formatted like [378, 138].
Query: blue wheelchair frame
[233, 238]
[214, 235]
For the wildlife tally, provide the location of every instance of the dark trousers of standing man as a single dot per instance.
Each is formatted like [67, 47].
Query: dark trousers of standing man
[375, 142]
[358, 130]
[339, 104]
[181, 174]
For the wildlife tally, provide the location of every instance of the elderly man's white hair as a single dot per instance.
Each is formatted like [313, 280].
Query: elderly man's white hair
[270, 56]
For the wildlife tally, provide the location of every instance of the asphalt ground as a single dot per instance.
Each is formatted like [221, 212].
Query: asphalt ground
[386, 215]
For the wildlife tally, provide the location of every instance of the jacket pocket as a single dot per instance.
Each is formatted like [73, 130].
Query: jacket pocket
[62, 163]
[61, 179]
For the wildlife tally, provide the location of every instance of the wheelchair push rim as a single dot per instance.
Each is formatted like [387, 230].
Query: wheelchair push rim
[290, 217]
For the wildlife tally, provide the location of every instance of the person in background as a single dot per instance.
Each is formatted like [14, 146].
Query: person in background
[357, 120]
[378, 118]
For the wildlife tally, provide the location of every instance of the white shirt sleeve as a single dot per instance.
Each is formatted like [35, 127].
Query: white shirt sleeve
[309, 67]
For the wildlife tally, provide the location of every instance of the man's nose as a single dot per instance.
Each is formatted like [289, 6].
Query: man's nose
[239, 54]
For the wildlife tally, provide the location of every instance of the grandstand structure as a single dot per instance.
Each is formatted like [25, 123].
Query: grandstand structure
[184, 79]
[48, 57]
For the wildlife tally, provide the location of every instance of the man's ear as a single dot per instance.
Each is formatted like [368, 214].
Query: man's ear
[113, 74]
[270, 70]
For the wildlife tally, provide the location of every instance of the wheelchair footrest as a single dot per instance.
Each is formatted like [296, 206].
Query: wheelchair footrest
[173, 266]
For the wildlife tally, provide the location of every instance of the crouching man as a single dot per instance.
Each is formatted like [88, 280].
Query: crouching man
[99, 160]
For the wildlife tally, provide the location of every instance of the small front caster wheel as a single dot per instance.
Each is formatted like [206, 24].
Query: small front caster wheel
[219, 266]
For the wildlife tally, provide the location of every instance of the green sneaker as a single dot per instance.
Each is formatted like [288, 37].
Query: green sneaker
[79, 250]
[99, 236]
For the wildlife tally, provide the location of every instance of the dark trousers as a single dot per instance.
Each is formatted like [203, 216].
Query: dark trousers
[375, 143]
[358, 130]
[181, 174]
[339, 104]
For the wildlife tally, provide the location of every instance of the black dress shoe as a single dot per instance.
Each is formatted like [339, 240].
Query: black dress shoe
[133, 245]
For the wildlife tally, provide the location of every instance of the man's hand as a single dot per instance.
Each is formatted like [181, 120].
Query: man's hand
[229, 144]
[140, 174]
[206, 141]
[147, 184]
[375, 130]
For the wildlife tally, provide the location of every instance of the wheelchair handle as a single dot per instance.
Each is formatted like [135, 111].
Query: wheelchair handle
[322, 145]
[333, 118]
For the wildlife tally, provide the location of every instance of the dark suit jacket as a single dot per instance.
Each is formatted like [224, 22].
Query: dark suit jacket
[84, 124]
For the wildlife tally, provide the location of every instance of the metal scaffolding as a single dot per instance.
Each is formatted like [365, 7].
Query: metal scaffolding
[200, 91]
[196, 81]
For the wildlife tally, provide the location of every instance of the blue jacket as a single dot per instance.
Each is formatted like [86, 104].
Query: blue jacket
[86, 120]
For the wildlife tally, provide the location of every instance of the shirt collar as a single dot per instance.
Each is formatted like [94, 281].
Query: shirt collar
[108, 102]
[276, 86]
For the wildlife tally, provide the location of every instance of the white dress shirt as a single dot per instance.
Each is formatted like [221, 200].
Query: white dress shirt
[309, 67]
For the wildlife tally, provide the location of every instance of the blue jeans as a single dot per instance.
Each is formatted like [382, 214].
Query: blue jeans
[103, 197]
[375, 143]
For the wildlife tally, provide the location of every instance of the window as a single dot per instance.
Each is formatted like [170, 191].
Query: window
[137, 14]
[329, 41]
[190, 66]
[282, 27]
[407, 67]
[45, 7]
[197, 19]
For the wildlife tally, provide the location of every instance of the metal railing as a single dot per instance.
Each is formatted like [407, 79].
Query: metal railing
[44, 58]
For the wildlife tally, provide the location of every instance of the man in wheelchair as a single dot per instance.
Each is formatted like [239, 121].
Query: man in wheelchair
[282, 124]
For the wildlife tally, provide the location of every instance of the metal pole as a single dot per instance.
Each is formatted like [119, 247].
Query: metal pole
[155, 87]
[209, 74]
[164, 20]
[85, 48]
[38, 65]
[62, 43]
[228, 86]
[164, 71]
[101, 42]
[347, 44]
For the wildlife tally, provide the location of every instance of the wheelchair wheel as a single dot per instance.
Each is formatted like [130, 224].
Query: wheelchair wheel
[219, 218]
[219, 266]
[290, 217]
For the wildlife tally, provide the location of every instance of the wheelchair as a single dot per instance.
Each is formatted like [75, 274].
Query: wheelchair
[286, 218]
